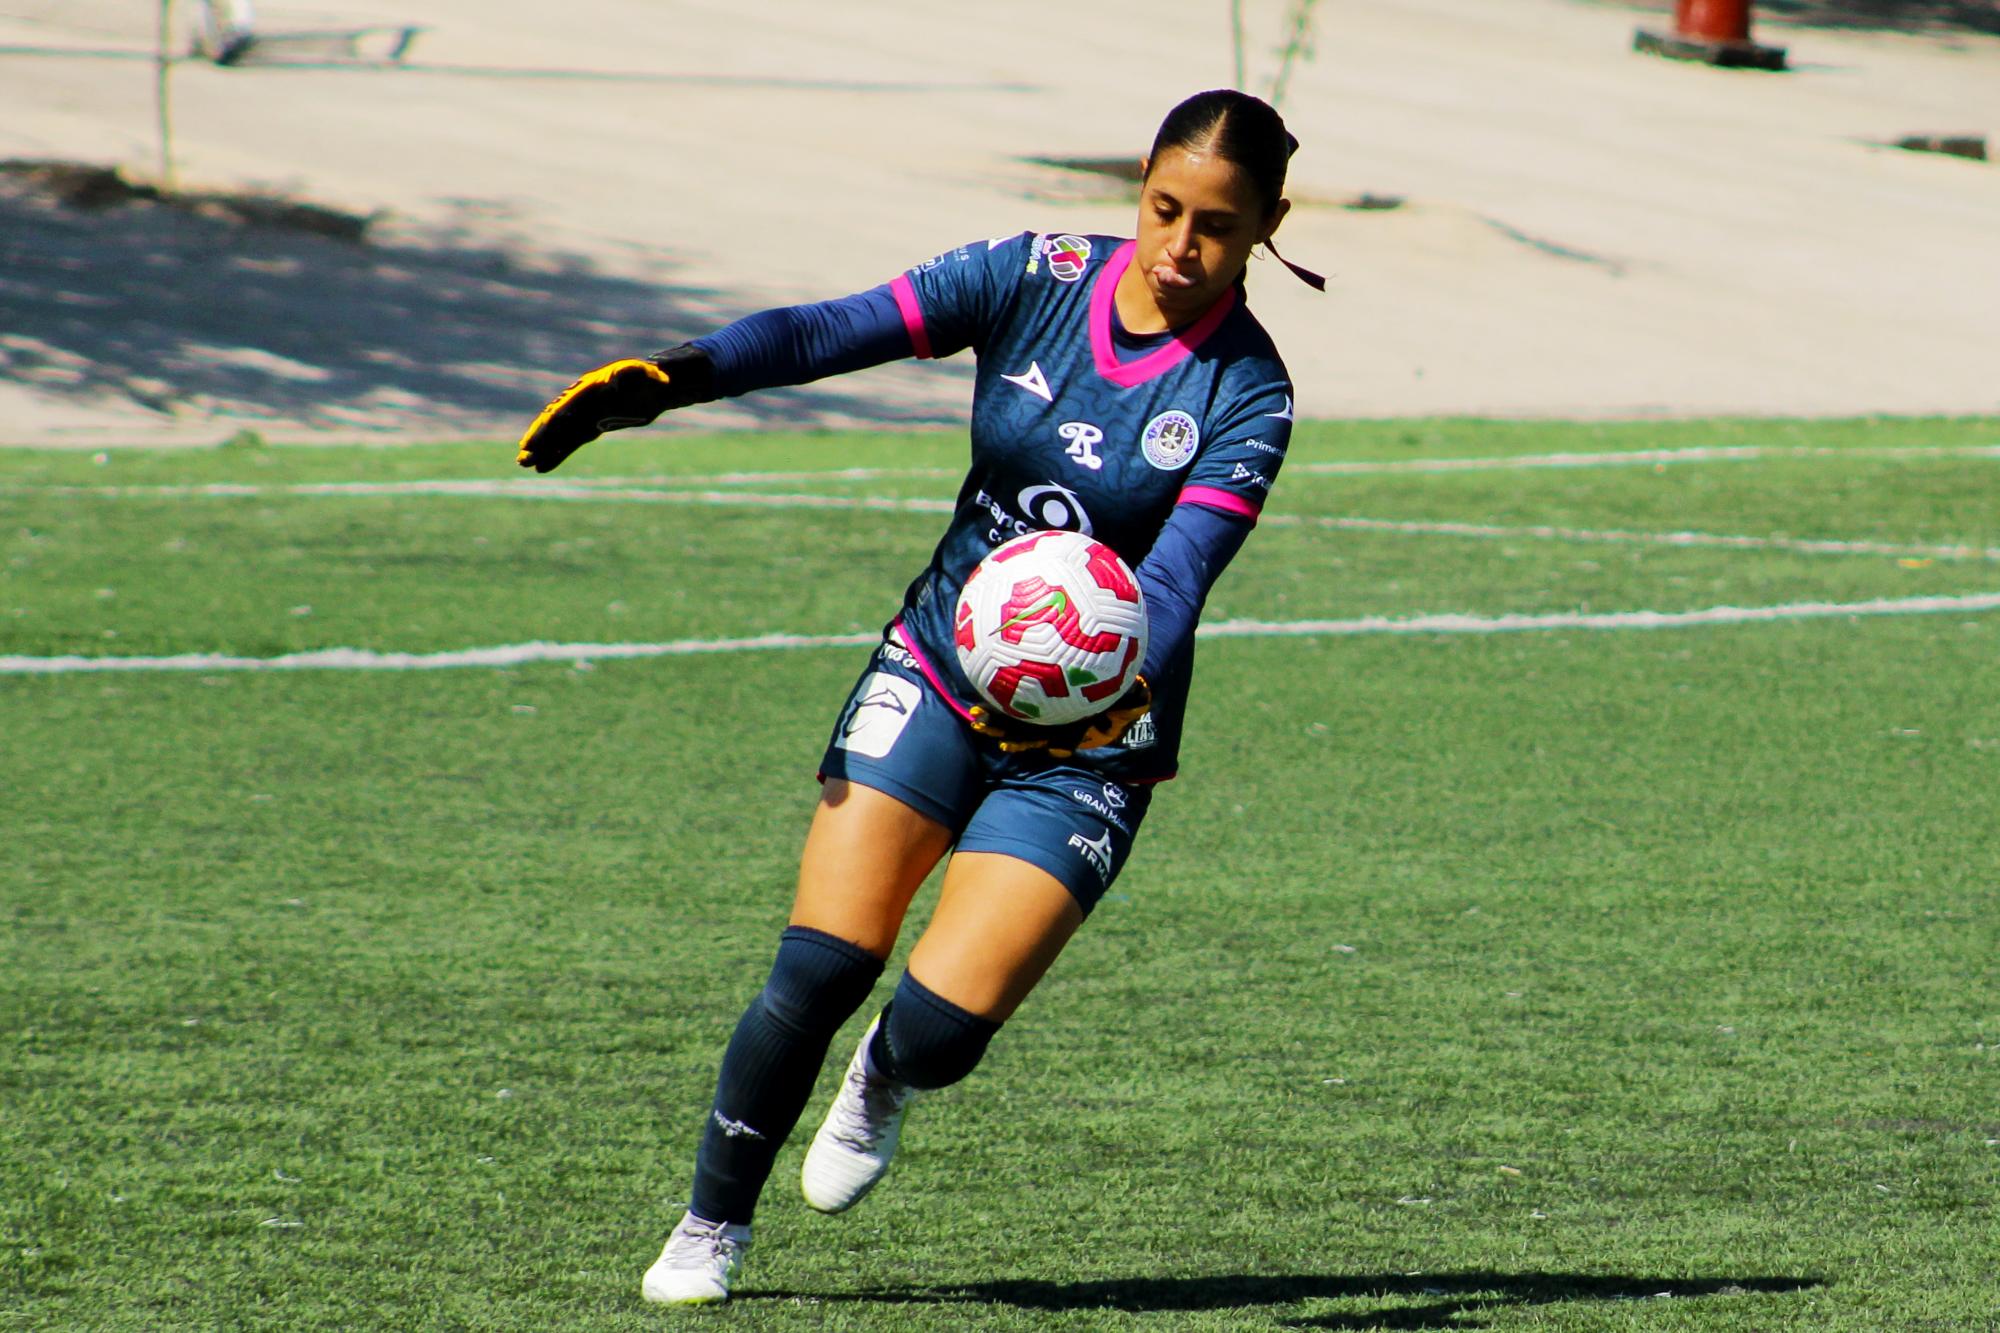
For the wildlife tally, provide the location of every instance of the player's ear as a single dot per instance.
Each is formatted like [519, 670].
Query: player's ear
[1277, 216]
[1145, 169]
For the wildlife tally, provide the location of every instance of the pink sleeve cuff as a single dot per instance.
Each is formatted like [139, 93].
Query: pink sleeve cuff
[913, 315]
[1214, 497]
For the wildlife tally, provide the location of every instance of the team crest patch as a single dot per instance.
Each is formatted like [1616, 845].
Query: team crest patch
[1067, 256]
[1170, 440]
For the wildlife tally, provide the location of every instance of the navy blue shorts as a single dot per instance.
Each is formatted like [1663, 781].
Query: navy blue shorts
[901, 736]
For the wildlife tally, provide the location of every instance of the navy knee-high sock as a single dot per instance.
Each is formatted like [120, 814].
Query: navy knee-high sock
[925, 1040]
[816, 984]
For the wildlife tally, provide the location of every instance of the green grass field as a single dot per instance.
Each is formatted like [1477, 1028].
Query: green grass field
[1579, 978]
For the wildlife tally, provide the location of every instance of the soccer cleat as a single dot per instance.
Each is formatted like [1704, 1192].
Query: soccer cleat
[858, 1137]
[697, 1263]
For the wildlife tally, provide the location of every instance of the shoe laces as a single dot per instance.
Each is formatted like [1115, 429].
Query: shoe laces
[871, 1111]
[700, 1242]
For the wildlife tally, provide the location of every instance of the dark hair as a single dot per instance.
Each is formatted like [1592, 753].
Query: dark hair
[1238, 128]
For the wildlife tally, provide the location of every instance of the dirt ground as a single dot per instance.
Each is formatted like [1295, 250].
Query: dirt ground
[1576, 229]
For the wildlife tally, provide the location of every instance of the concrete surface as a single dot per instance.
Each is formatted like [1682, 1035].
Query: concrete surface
[1586, 231]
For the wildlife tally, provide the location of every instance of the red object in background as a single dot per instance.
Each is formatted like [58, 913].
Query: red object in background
[1714, 32]
[1713, 20]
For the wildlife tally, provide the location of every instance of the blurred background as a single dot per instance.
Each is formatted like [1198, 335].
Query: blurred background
[417, 220]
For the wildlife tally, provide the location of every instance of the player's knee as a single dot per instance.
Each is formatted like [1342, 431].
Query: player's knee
[817, 982]
[927, 1041]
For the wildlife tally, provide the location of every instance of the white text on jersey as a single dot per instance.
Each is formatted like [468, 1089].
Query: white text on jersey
[1083, 441]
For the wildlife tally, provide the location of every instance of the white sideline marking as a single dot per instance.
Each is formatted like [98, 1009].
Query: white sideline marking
[605, 491]
[762, 478]
[520, 654]
[508, 490]
[1456, 623]
[1730, 453]
[1495, 531]
[365, 659]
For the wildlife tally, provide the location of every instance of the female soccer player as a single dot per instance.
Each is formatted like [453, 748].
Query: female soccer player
[1125, 391]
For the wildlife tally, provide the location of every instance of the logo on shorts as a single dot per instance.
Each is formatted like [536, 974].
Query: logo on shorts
[1106, 806]
[876, 718]
[1170, 440]
[1067, 256]
[1096, 851]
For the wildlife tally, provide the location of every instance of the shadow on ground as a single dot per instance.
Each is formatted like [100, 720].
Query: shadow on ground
[190, 314]
[1448, 1300]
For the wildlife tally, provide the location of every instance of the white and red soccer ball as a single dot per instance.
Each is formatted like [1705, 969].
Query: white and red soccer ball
[1051, 627]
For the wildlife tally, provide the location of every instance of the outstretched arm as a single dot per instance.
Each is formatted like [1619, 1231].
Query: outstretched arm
[792, 345]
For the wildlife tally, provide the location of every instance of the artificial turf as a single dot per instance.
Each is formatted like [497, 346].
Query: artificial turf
[1571, 979]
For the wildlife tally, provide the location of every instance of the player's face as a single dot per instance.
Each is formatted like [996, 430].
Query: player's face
[1199, 216]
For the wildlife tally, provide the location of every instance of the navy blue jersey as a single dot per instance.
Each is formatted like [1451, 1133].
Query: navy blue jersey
[1077, 425]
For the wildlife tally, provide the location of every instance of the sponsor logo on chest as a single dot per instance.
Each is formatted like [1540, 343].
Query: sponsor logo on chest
[1068, 256]
[1082, 439]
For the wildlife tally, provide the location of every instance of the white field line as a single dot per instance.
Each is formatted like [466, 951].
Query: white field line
[1725, 541]
[519, 654]
[504, 490]
[1732, 453]
[603, 493]
[769, 478]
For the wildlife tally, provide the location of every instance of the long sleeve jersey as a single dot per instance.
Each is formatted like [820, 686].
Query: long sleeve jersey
[1164, 447]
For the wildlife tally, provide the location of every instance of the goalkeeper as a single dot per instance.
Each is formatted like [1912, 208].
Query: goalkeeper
[1123, 390]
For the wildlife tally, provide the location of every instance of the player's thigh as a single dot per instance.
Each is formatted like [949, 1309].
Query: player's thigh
[901, 780]
[1034, 858]
[865, 857]
[1000, 922]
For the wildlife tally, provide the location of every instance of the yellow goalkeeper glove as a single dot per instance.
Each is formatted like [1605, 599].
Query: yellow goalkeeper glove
[1092, 733]
[632, 392]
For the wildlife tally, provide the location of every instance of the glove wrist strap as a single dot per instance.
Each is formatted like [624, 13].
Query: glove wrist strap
[691, 373]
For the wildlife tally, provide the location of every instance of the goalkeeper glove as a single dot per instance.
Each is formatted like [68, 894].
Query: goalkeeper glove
[1092, 733]
[625, 393]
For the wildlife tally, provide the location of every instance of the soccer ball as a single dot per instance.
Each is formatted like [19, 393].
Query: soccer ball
[1051, 627]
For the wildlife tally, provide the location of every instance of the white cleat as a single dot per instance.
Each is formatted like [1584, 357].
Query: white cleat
[858, 1137]
[697, 1263]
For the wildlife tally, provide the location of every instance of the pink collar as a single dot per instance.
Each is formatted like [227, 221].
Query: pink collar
[1161, 359]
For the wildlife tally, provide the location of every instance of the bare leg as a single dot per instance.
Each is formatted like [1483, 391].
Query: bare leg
[865, 858]
[999, 925]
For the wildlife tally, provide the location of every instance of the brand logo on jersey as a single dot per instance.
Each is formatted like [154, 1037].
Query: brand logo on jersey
[1262, 447]
[1170, 440]
[1097, 851]
[1284, 413]
[1083, 441]
[1033, 381]
[1053, 506]
[1250, 476]
[1067, 257]
[1114, 795]
[1140, 734]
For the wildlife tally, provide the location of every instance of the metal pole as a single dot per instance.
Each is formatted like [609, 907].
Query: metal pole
[1236, 30]
[162, 62]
